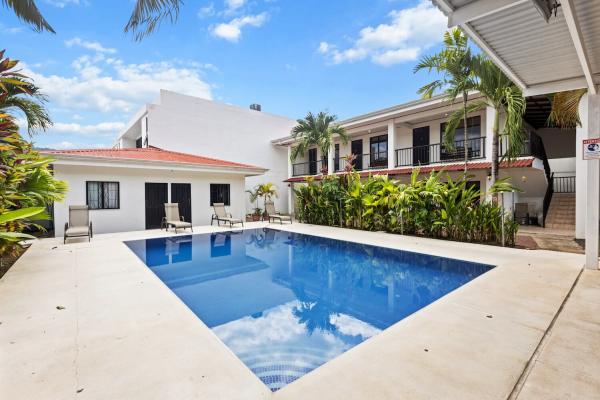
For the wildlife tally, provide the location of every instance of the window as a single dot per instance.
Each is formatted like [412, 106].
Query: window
[219, 193]
[379, 150]
[138, 143]
[474, 141]
[473, 129]
[102, 195]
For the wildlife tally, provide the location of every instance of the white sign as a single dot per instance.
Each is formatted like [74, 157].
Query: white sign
[591, 149]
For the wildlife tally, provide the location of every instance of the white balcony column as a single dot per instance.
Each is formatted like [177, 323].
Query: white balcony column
[391, 145]
[490, 113]
[289, 174]
[330, 155]
[581, 170]
[592, 213]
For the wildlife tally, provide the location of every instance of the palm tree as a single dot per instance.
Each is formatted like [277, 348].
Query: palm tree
[455, 65]
[18, 93]
[316, 131]
[506, 97]
[146, 16]
[267, 191]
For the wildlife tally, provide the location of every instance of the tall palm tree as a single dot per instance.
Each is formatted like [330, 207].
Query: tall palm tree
[316, 131]
[506, 97]
[455, 65]
[146, 16]
[18, 93]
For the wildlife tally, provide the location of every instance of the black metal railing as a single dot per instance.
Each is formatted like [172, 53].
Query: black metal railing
[547, 199]
[564, 184]
[361, 162]
[439, 153]
[308, 168]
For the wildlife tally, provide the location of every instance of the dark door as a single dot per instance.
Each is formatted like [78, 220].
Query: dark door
[182, 193]
[356, 148]
[312, 161]
[156, 197]
[421, 145]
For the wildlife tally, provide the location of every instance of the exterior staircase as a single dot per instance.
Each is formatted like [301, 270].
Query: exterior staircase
[561, 213]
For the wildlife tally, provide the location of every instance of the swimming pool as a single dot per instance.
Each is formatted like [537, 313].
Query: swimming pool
[286, 303]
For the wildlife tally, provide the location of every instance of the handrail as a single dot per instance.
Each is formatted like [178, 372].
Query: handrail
[307, 168]
[378, 160]
[438, 153]
[547, 199]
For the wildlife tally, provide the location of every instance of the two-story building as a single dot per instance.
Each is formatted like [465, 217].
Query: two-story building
[396, 140]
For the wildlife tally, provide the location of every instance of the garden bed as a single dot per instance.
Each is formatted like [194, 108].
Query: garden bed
[8, 261]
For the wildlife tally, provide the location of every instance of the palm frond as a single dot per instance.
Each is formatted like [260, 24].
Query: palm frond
[27, 11]
[147, 16]
[565, 108]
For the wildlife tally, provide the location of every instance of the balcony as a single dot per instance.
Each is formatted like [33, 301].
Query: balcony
[364, 162]
[438, 153]
[308, 168]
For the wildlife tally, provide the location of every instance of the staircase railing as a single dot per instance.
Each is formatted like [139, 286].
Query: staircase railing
[547, 199]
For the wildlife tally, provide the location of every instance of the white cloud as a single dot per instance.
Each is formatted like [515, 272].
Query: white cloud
[107, 129]
[232, 30]
[10, 30]
[95, 46]
[65, 144]
[410, 31]
[64, 3]
[206, 11]
[234, 4]
[110, 85]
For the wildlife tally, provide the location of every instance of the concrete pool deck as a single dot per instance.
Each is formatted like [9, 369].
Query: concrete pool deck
[90, 321]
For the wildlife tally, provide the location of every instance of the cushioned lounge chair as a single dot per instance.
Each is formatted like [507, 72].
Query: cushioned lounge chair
[173, 219]
[221, 215]
[274, 215]
[79, 224]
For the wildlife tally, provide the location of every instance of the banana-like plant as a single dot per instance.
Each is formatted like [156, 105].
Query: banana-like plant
[435, 206]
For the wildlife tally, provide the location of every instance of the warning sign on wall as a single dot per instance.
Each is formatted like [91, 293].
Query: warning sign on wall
[591, 149]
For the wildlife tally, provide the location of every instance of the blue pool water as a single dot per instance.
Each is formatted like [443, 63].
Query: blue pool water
[286, 303]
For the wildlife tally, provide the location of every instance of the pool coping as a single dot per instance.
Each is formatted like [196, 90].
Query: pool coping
[537, 282]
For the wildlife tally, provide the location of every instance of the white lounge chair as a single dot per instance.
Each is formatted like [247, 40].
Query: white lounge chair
[273, 214]
[221, 215]
[79, 224]
[173, 219]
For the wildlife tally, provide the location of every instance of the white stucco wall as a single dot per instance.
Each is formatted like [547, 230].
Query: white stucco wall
[203, 127]
[131, 215]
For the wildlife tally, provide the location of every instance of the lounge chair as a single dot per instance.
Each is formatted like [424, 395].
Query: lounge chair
[272, 214]
[173, 219]
[79, 224]
[221, 215]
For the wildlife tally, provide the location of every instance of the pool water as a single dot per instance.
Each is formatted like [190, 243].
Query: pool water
[286, 303]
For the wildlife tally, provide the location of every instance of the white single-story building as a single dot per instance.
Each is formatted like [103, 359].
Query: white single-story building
[194, 125]
[126, 189]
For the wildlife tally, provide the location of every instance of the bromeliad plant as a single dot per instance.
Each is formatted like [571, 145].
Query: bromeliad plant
[430, 207]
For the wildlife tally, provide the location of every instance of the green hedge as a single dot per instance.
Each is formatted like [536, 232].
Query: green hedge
[450, 209]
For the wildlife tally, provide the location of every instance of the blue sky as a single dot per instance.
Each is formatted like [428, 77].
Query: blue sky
[347, 57]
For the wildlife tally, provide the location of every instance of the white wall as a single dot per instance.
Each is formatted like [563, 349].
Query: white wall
[131, 215]
[203, 127]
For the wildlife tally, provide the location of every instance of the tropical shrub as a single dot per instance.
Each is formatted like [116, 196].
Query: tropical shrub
[430, 207]
[27, 185]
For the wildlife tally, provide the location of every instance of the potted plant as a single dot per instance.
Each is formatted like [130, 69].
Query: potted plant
[254, 195]
[267, 191]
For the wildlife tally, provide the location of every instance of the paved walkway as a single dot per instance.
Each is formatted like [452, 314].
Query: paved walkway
[536, 237]
[90, 321]
[568, 363]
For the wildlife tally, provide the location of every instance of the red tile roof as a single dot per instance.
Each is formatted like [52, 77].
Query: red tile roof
[520, 163]
[151, 154]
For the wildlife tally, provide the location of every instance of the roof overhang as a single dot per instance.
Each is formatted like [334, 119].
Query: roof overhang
[540, 57]
[111, 162]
